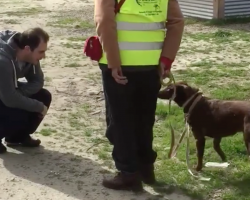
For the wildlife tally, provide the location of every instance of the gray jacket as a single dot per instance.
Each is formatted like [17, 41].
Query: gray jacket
[13, 93]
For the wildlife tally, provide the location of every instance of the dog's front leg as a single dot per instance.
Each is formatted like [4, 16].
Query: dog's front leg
[200, 146]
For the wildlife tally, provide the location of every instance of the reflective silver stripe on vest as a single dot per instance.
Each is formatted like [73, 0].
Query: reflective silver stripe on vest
[131, 26]
[140, 45]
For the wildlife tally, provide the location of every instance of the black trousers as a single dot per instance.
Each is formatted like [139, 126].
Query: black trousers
[16, 124]
[130, 117]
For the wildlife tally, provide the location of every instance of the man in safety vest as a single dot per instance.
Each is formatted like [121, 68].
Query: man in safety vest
[143, 37]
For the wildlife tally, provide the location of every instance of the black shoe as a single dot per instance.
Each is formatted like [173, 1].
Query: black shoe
[28, 142]
[3, 149]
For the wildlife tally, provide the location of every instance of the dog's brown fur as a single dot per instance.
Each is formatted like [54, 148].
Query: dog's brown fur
[212, 118]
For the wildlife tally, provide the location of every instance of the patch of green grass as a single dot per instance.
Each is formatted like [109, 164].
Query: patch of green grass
[67, 22]
[76, 121]
[105, 152]
[88, 132]
[47, 131]
[79, 119]
[48, 79]
[12, 2]
[70, 137]
[73, 45]
[214, 42]
[224, 81]
[218, 22]
[102, 148]
[94, 77]
[86, 107]
[191, 21]
[220, 36]
[25, 11]
[11, 21]
[230, 20]
[77, 39]
[73, 65]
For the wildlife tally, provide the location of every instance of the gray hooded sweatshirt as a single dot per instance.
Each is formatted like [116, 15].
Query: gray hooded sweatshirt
[13, 93]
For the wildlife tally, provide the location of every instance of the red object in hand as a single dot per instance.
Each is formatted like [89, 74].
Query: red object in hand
[93, 48]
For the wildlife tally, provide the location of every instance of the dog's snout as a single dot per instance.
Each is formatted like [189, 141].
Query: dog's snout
[165, 94]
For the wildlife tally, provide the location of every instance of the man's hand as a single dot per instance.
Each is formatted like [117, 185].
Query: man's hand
[118, 76]
[45, 110]
[163, 71]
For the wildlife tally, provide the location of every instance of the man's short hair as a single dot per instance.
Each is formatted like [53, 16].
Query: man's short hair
[32, 38]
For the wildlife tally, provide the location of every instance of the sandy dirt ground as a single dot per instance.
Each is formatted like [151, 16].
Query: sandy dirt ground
[61, 168]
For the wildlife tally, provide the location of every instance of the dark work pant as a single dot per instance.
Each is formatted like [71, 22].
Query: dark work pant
[107, 113]
[131, 114]
[16, 124]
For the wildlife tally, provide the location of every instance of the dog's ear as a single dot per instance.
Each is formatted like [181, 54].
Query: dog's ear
[190, 90]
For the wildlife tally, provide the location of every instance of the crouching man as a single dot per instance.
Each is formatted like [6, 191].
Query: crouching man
[23, 105]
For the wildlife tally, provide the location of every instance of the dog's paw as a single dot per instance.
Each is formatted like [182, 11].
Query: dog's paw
[224, 159]
[197, 168]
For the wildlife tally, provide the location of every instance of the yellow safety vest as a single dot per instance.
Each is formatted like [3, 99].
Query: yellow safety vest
[141, 31]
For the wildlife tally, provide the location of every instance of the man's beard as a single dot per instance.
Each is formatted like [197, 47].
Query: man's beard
[28, 59]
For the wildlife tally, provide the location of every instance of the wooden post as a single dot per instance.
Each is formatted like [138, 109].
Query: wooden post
[219, 7]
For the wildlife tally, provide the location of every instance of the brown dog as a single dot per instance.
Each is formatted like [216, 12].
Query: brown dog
[210, 117]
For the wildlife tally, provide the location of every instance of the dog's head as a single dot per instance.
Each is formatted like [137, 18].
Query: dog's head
[183, 92]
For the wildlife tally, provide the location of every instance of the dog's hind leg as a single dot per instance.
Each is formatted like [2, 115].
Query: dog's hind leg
[200, 146]
[247, 142]
[247, 134]
[218, 149]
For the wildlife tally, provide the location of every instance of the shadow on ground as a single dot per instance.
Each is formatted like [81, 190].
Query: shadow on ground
[164, 189]
[67, 173]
